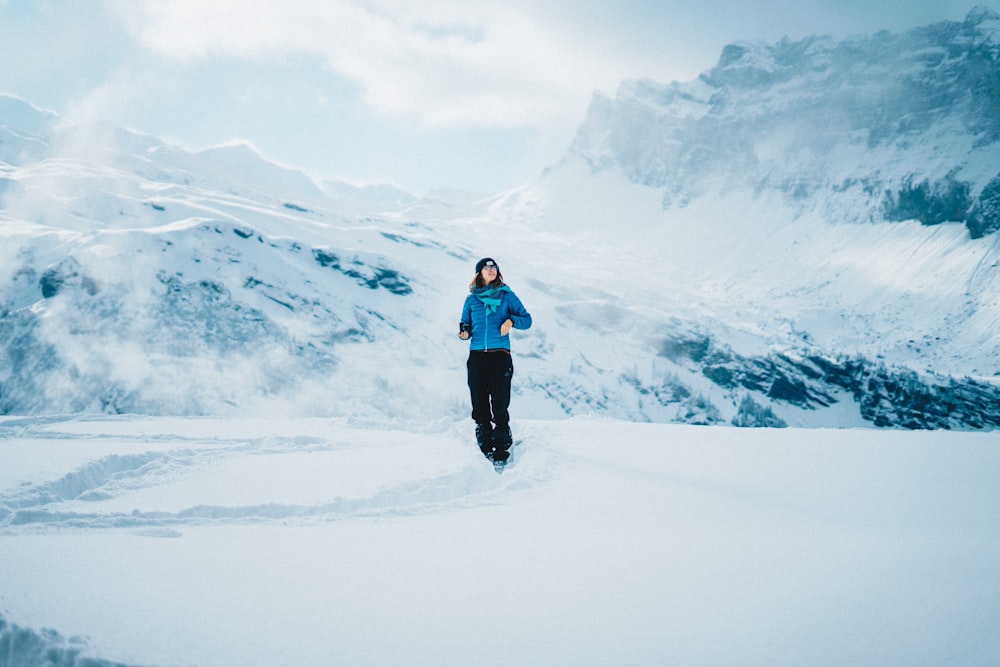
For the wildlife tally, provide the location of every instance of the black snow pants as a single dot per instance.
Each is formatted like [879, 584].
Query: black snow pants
[490, 374]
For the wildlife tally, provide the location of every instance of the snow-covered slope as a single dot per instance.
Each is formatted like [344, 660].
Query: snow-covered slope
[224, 542]
[720, 251]
[139, 277]
[802, 200]
[886, 127]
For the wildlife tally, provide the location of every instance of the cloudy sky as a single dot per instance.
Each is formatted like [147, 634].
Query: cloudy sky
[478, 95]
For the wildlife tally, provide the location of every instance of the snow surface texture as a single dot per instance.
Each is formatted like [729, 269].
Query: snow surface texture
[693, 259]
[208, 541]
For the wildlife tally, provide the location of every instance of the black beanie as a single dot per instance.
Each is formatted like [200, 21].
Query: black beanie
[484, 261]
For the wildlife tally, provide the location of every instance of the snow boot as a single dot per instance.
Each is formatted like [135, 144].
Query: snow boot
[502, 440]
[484, 438]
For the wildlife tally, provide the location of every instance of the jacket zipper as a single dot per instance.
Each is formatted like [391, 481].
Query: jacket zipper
[486, 330]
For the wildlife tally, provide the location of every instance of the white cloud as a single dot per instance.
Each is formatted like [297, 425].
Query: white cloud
[440, 62]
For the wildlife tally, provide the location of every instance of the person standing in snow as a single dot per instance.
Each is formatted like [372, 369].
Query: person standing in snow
[491, 310]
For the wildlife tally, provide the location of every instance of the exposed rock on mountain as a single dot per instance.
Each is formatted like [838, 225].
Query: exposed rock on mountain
[887, 127]
[776, 243]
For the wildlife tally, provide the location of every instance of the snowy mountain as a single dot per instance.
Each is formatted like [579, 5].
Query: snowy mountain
[831, 204]
[146, 279]
[379, 196]
[756, 247]
[880, 128]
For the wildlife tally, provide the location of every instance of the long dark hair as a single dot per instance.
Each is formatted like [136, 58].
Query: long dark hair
[478, 281]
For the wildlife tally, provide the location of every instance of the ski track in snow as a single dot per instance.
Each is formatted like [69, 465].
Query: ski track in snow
[318, 541]
[100, 492]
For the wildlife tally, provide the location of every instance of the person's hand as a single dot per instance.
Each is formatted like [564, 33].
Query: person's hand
[505, 327]
[464, 335]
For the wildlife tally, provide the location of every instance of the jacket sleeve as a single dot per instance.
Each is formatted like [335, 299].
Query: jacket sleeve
[466, 312]
[517, 313]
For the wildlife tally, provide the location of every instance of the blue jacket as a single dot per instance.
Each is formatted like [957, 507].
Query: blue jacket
[485, 310]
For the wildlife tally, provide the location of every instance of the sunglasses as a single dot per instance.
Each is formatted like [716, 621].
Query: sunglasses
[490, 267]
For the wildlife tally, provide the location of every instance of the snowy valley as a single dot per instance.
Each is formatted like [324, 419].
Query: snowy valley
[695, 252]
[234, 420]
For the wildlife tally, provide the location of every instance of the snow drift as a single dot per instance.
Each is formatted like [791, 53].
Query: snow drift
[207, 541]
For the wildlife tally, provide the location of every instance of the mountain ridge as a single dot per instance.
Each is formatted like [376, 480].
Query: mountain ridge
[797, 117]
[721, 287]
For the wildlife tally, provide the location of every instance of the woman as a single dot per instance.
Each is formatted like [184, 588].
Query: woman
[490, 311]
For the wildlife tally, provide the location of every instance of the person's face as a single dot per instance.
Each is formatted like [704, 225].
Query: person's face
[489, 274]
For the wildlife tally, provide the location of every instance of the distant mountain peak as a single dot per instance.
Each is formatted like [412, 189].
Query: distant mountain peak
[980, 15]
[905, 125]
[20, 114]
[138, 276]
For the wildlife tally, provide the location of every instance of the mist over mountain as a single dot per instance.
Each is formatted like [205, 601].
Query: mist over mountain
[888, 127]
[804, 235]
